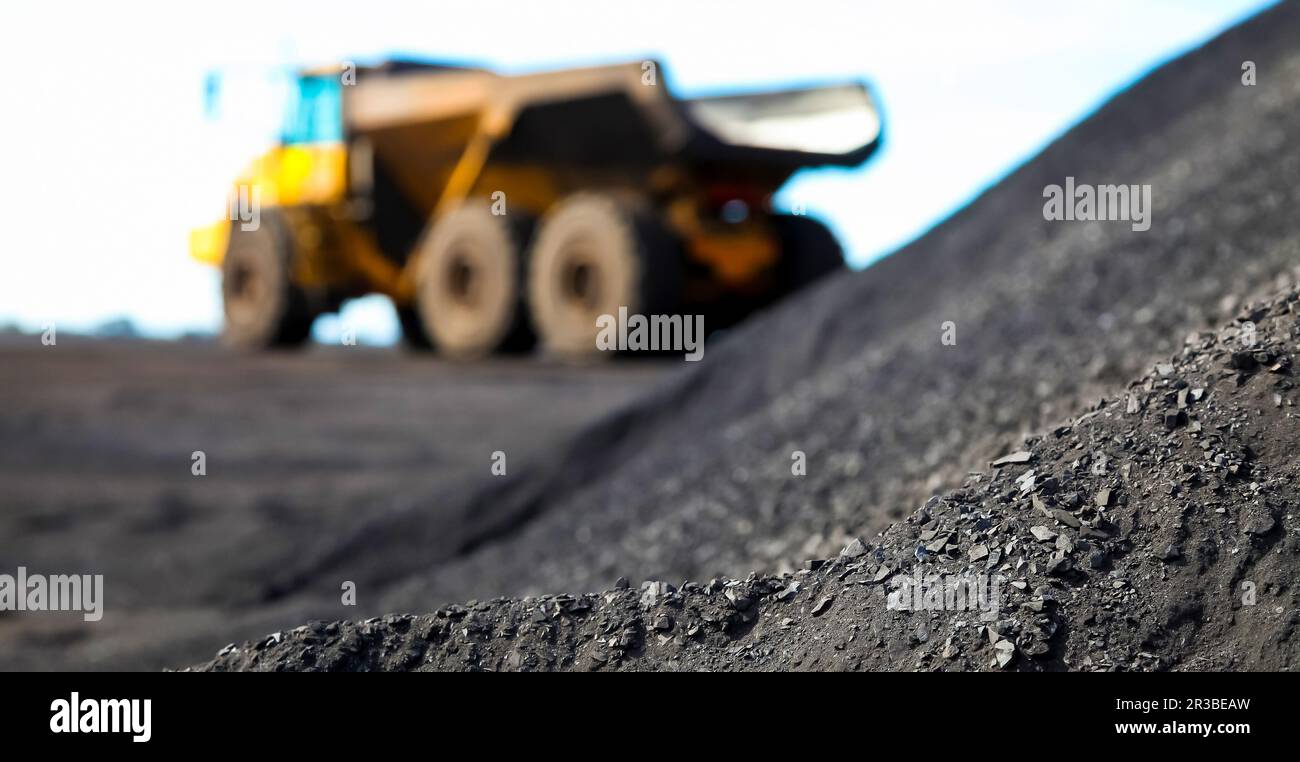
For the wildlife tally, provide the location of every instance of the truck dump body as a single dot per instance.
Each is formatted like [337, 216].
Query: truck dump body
[827, 126]
[420, 122]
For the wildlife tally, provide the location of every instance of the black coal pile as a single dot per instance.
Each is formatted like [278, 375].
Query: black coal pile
[1155, 531]
[856, 376]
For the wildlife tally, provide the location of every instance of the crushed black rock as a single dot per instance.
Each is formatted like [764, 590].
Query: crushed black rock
[1160, 590]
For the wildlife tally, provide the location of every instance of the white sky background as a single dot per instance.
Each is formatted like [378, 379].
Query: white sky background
[108, 160]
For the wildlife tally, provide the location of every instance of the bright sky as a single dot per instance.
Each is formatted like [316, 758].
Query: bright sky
[108, 160]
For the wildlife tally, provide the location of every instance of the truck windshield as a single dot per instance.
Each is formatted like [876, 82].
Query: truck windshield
[315, 112]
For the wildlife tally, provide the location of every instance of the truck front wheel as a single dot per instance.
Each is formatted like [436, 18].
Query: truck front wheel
[263, 306]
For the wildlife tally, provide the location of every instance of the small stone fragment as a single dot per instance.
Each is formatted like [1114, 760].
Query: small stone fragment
[1260, 526]
[1021, 456]
[1171, 553]
[854, 549]
[1004, 651]
[1066, 518]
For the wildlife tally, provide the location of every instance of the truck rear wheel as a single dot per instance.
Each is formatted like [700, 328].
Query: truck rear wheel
[414, 336]
[470, 283]
[593, 255]
[809, 251]
[263, 306]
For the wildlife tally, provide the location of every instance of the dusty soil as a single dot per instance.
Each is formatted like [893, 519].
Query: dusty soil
[1155, 507]
[323, 477]
[1156, 531]
[1048, 316]
[308, 458]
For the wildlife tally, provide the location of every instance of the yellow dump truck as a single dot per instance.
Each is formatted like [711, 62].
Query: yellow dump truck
[496, 211]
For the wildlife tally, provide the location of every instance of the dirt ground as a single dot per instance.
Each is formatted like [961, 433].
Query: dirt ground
[1048, 317]
[333, 467]
[1154, 532]
[1059, 327]
[304, 452]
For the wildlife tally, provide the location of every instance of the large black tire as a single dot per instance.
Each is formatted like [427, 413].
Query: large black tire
[809, 252]
[414, 337]
[592, 255]
[470, 282]
[263, 306]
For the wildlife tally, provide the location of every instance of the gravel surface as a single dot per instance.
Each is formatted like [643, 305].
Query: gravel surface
[1155, 531]
[1048, 315]
[373, 469]
[1130, 524]
[301, 450]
